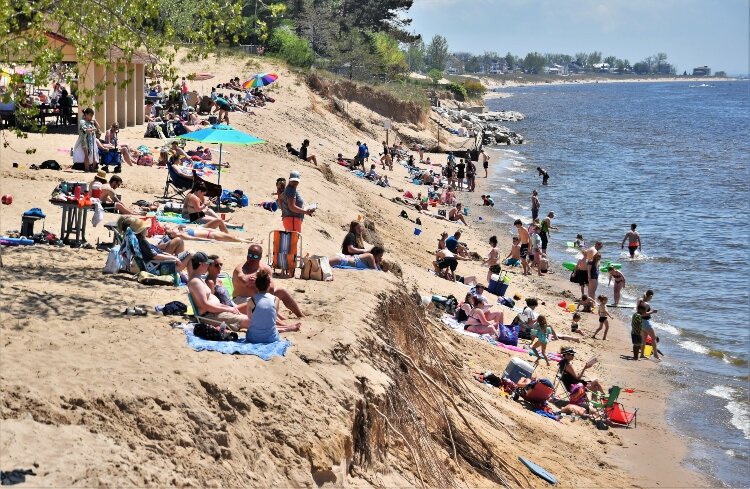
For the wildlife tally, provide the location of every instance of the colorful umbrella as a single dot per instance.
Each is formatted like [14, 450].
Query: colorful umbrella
[260, 80]
[221, 134]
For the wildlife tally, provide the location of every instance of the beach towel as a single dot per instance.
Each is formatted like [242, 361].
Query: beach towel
[265, 351]
[347, 267]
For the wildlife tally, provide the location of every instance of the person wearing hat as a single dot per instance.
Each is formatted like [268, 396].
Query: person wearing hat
[207, 305]
[568, 376]
[152, 255]
[292, 205]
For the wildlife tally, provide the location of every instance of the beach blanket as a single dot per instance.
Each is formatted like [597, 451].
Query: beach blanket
[459, 328]
[265, 351]
[173, 218]
[347, 267]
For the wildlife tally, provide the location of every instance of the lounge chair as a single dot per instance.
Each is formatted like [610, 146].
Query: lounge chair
[612, 411]
[285, 251]
[178, 185]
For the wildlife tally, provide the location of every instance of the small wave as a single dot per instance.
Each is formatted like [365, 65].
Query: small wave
[509, 151]
[740, 418]
[516, 216]
[695, 347]
[667, 328]
[510, 179]
[517, 164]
[516, 169]
[509, 190]
[524, 207]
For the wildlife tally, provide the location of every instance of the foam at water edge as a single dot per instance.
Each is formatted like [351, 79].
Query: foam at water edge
[516, 216]
[667, 328]
[509, 151]
[740, 418]
[695, 347]
[509, 190]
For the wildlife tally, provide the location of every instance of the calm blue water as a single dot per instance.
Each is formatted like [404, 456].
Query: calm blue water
[674, 158]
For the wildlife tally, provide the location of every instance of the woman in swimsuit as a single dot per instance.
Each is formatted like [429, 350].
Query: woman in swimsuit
[619, 282]
[195, 209]
[473, 317]
[594, 274]
[362, 261]
[647, 329]
[604, 316]
[186, 233]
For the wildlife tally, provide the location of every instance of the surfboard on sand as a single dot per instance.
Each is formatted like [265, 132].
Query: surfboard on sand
[538, 470]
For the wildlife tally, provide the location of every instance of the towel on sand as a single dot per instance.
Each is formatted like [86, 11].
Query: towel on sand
[263, 350]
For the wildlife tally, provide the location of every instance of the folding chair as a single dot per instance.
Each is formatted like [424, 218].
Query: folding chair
[539, 394]
[285, 251]
[177, 184]
[614, 412]
[199, 318]
[132, 253]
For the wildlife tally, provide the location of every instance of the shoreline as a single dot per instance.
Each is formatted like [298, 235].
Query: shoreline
[654, 455]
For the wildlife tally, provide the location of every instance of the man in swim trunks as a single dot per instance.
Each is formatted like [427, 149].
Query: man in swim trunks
[243, 281]
[524, 239]
[206, 303]
[535, 204]
[109, 199]
[633, 239]
[485, 161]
[589, 253]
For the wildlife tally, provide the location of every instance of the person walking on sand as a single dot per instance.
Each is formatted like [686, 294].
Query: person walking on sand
[604, 316]
[535, 205]
[619, 279]
[543, 173]
[540, 336]
[633, 239]
[485, 161]
[492, 259]
[524, 238]
[545, 229]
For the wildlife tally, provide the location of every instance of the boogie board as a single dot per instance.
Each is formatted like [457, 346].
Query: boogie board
[569, 265]
[606, 264]
[16, 241]
[538, 470]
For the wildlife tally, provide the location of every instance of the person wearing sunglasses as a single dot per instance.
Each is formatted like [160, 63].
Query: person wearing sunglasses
[207, 304]
[214, 282]
[243, 280]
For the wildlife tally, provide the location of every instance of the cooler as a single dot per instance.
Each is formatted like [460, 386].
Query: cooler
[498, 285]
[517, 369]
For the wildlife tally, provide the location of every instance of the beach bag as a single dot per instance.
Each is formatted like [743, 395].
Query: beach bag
[210, 333]
[316, 268]
[508, 335]
[113, 261]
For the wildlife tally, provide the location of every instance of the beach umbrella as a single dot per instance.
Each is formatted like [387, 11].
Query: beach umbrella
[260, 80]
[203, 76]
[221, 134]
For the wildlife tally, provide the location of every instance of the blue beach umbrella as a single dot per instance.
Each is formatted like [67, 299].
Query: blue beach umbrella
[221, 134]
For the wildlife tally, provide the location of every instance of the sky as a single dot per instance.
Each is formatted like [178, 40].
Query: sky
[691, 32]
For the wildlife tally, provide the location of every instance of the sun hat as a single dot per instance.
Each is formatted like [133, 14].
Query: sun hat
[101, 174]
[294, 176]
[201, 257]
[139, 226]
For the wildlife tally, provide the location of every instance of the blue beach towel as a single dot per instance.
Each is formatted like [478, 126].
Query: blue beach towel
[263, 350]
[347, 267]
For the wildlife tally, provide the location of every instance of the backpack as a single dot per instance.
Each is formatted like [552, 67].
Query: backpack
[210, 333]
[50, 165]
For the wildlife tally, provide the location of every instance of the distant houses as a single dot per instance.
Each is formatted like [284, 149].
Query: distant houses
[702, 71]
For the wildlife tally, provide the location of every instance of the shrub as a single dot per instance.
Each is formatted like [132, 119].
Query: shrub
[458, 90]
[290, 47]
[474, 88]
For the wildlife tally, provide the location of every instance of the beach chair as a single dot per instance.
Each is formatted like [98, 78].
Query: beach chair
[198, 318]
[285, 251]
[117, 236]
[132, 254]
[538, 395]
[177, 184]
[614, 412]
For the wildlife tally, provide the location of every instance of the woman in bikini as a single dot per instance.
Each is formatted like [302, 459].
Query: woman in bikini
[187, 233]
[195, 209]
[619, 279]
[474, 318]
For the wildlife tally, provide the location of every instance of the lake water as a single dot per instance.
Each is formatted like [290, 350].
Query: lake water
[673, 158]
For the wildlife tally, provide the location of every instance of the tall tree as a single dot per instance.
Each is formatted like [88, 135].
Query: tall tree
[415, 55]
[534, 63]
[437, 52]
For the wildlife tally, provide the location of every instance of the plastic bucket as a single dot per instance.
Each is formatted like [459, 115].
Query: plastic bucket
[417, 231]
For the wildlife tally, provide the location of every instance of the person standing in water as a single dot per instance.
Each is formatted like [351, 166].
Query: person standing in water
[535, 204]
[543, 173]
[633, 239]
[544, 230]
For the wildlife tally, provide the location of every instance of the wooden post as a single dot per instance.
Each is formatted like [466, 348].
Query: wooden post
[132, 103]
[140, 94]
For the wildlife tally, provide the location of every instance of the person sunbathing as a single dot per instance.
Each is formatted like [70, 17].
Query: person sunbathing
[151, 252]
[185, 233]
[570, 378]
[195, 209]
[474, 318]
[362, 261]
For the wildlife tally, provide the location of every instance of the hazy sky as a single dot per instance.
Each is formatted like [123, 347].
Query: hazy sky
[691, 32]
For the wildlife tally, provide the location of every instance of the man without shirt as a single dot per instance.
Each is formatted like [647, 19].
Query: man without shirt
[206, 303]
[109, 199]
[524, 238]
[589, 253]
[633, 239]
[243, 280]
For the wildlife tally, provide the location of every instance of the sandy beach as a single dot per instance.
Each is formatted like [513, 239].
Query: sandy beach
[96, 398]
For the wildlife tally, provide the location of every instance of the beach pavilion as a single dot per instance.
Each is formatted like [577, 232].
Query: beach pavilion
[117, 103]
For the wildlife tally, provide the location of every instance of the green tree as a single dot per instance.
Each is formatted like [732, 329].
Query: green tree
[391, 59]
[510, 60]
[534, 63]
[415, 55]
[594, 58]
[611, 61]
[582, 59]
[295, 50]
[435, 75]
[437, 52]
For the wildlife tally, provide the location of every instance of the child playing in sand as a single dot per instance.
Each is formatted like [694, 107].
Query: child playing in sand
[586, 304]
[514, 257]
[575, 325]
[540, 335]
[604, 316]
[492, 259]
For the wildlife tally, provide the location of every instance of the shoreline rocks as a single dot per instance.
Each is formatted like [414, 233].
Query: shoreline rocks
[486, 123]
